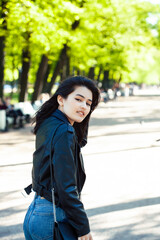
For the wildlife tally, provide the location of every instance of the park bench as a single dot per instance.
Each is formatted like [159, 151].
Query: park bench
[25, 107]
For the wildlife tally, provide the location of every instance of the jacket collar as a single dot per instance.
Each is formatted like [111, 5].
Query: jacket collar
[60, 115]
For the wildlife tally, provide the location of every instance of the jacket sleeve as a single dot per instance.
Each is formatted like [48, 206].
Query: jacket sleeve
[66, 183]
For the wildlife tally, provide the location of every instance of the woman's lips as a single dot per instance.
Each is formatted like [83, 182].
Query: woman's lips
[81, 113]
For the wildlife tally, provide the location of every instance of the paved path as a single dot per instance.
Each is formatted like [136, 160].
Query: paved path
[122, 161]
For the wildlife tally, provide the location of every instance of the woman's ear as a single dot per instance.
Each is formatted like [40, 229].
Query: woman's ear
[60, 100]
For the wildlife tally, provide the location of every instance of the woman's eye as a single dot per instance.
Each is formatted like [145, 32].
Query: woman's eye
[88, 104]
[79, 100]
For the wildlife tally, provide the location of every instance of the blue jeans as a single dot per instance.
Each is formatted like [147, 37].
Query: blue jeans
[39, 220]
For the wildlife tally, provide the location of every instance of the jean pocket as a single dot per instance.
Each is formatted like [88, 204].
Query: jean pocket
[41, 226]
[47, 210]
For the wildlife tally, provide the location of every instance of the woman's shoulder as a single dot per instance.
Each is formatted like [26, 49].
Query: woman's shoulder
[65, 133]
[57, 127]
[64, 128]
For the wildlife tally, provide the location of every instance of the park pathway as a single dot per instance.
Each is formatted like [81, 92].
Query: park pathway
[122, 162]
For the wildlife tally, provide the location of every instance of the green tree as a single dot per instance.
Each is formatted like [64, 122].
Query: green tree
[104, 40]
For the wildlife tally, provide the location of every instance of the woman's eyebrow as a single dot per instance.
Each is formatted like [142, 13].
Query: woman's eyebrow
[83, 97]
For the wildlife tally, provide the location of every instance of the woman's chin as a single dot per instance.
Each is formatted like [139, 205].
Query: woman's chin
[79, 120]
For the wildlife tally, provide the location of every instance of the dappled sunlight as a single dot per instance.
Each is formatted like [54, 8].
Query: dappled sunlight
[127, 112]
[12, 211]
[123, 206]
[122, 164]
[139, 223]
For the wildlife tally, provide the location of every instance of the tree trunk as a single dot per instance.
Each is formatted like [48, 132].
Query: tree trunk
[2, 44]
[40, 78]
[61, 76]
[120, 78]
[78, 71]
[59, 66]
[13, 81]
[73, 70]
[45, 83]
[24, 75]
[83, 73]
[91, 73]
[62, 59]
[99, 74]
[65, 72]
[67, 66]
[1, 65]
[105, 82]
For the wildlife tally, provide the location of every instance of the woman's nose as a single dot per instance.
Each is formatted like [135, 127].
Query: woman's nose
[84, 105]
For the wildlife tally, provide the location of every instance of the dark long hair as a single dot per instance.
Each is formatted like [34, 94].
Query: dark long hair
[65, 88]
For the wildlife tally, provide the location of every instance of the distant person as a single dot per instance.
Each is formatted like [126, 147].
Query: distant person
[2, 105]
[3, 119]
[104, 96]
[61, 125]
[116, 90]
[16, 114]
[43, 97]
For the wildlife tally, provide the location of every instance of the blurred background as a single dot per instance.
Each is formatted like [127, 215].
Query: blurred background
[117, 44]
[114, 42]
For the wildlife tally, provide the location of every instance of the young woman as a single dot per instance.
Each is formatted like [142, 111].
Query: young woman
[66, 114]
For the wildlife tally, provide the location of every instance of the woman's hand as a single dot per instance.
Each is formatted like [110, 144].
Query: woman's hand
[86, 237]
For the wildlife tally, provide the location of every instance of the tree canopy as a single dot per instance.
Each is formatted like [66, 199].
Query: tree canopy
[56, 39]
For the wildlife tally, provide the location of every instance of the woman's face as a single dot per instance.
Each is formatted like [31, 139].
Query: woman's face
[77, 105]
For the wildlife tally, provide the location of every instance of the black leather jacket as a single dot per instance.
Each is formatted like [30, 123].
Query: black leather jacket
[69, 174]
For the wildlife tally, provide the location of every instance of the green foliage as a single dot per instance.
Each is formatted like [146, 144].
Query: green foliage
[113, 35]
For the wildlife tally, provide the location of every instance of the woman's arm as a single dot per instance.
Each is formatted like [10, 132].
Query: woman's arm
[66, 183]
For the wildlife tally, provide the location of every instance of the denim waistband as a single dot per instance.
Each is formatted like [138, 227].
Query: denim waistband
[40, 200]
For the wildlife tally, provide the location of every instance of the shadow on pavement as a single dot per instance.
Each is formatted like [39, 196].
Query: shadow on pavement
[123, 206]
[10, 211]
[121, 150]
[125, 233]
[16, 164]
[122, 231]
[127, 132]
[122, 120]
[9, 232]
[17, 142]
[4, 195]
